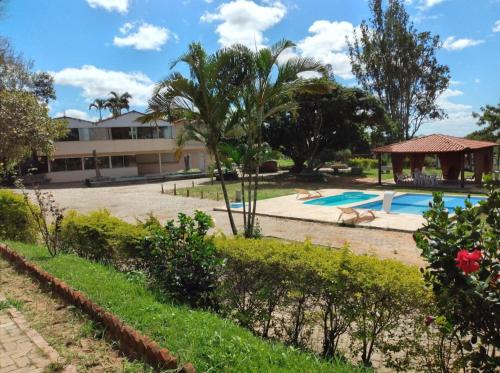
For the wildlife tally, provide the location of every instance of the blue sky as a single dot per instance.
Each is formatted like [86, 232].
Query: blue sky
[95, 46]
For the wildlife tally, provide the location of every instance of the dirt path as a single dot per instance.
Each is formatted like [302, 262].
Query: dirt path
[78, 341]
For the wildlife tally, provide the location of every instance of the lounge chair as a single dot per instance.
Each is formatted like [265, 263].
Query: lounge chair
[402, 178]
[360, 215]
[307, 194]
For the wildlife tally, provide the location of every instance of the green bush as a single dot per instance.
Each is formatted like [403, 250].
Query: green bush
[101, 237]
[288, 289]
[463, 256]
[364, 163]
[16, 220]
[182, 260]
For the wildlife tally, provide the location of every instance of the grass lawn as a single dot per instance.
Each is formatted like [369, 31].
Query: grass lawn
[267, 189]
[211, 343]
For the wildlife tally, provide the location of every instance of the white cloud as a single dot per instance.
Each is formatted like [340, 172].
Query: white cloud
[496, 26]
[460, 121]
[427, 4]
[143, 36]
[328, 44]
[75, 113]
[453, 44]
[120, 6]
[96, 82]
[244, 21]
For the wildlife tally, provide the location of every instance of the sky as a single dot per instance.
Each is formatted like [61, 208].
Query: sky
[92, 47]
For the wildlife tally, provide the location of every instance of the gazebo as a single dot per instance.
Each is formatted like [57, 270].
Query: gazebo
[450, 150]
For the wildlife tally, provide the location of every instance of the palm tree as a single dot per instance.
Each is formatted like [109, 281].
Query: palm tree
[116, 103]
[269, 92]
[99, 104]
[204, 99]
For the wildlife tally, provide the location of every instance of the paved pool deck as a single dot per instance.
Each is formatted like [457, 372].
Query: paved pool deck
[292, 208]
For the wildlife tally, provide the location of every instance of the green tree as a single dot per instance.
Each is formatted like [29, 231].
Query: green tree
[99, 104]
[323, 124]
[204, 100]
[42, 86]
[269, 90]
[118, 102]
[491, 118]
[25, 127]
[393, 61]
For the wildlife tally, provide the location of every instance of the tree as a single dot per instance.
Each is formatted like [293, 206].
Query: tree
[116, 103]
[393, 61]
[25, 127]
[491, 117]
[98, 104]
[268, 91]
[42, 86]
[203, 100]
[323, 124]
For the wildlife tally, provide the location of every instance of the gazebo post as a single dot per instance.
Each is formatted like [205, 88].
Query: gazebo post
[462, 169]
[379, 156]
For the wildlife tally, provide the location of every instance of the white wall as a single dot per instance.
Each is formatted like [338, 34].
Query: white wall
[72, 176]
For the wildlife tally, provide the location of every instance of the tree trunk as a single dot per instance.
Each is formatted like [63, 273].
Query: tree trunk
[224, 192]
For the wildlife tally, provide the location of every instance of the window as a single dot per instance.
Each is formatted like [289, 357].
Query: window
[72, 135]
[90, 163]
[122, 133]
[84, 134]
[120, 161]
[99, 133]
[169, 158]
[166, 132]
[66, 164]
[146, 133]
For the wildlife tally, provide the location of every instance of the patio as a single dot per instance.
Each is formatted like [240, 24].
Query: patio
[290, 207]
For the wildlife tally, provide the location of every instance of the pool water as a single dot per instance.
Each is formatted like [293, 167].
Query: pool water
[341, 199]
[419, 203]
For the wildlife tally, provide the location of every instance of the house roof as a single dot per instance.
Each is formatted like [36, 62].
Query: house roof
[435, 144]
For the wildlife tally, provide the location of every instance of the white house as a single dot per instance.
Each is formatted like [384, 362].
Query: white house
[123, 147]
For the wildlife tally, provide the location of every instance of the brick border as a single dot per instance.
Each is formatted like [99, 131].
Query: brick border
[132, 343]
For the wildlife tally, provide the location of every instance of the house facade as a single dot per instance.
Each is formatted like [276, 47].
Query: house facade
[121, 147]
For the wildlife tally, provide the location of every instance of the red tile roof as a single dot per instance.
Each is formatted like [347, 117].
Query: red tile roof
[434, 144]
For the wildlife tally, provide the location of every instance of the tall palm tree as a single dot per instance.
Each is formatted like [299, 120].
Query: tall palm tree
[116, 103]
[269, 92]
[98, 104]
[204, 100]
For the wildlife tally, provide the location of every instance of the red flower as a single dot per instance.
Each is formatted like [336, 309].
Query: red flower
[429, 320]
[468, 261]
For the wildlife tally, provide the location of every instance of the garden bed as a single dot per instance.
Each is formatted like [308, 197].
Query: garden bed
[202, 338]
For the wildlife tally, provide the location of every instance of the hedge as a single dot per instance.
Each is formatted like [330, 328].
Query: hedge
[101, 237]
[16, 220]
[202, 338]
[288, 290]
[364, 163]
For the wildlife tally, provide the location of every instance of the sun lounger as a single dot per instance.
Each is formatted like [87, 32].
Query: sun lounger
[360, 215]
[306, 194]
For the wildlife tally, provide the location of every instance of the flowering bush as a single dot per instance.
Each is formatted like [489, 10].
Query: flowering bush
[463, 270]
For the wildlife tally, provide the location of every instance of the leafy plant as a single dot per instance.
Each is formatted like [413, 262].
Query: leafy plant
[182, 261]
[464, 273]
[16, 220]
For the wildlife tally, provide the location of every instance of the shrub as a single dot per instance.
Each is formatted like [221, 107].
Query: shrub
[101, 237]
[182, 260]
[364, 163]
[16, 221]
[342, 156]
[464, 272]
[288, 289]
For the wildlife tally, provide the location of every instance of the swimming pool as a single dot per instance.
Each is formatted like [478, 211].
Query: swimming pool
[419, 203]
[341, 199]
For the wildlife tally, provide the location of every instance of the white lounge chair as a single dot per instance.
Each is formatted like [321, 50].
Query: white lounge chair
[307, 194]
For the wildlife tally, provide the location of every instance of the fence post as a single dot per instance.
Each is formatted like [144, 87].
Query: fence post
[217, 198]
[175, 189]
[187, 192]
[192, 184]
[202, 194]
[162, 191]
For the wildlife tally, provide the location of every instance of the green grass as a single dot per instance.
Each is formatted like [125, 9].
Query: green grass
[266, 190]
[211, 343]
